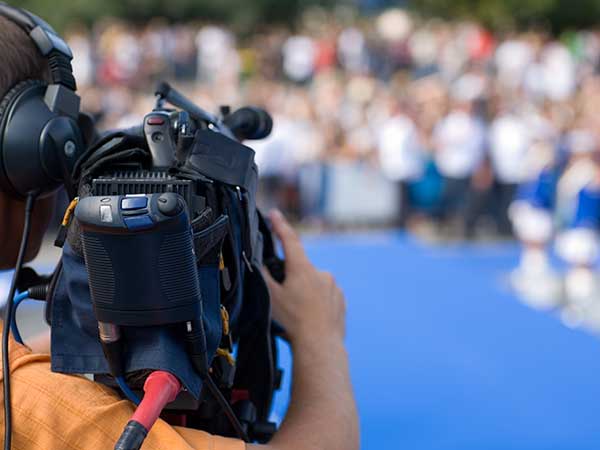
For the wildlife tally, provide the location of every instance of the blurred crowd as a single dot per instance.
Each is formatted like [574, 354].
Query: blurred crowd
[451, 115]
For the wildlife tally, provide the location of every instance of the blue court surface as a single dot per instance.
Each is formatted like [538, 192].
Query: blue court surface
[443, 355]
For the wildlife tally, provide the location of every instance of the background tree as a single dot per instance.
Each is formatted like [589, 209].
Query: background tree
[247, 15]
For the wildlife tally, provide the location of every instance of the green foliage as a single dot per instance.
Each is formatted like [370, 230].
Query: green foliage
[243, 15]
[247, 15]
[556, 15]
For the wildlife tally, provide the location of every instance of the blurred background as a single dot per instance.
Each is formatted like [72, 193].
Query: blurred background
[441, 158]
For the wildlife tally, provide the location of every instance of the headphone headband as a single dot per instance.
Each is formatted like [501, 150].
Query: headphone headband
[50, 44]
[40, 137]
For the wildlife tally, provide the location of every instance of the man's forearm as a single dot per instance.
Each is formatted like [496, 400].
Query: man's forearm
[322, 413]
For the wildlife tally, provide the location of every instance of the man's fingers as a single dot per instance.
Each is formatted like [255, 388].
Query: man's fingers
[292, 247]
[274, 286]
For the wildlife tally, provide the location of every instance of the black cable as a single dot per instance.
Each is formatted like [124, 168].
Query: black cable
[226, 407]
[8, 311]
[196, 345]
[133, 436]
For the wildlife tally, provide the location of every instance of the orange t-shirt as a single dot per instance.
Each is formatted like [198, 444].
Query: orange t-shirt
[52, 411]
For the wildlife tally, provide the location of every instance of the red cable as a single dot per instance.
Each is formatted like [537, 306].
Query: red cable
[160, 388]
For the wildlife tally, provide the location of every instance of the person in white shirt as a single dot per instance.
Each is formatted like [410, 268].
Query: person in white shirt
[459, 144]
[401, 157]
[352, 50]
[512, 58]
[299, 53]
[218, 59]
[83, 64]
[509, 143]
[559, 75]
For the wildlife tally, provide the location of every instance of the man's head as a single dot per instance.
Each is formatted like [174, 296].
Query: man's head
[21, 60]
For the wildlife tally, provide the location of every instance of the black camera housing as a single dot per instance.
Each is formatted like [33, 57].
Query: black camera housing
[140, 258]
[139, 286]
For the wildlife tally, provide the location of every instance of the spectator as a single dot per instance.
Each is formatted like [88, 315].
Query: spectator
[401, 157]
[509, 141]
[299, 57]
[332, 85]
[459, 140]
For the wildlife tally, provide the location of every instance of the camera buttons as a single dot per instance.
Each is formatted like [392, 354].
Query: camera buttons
[169, 205]
[137, 223]
[106, 214]
[129, 203]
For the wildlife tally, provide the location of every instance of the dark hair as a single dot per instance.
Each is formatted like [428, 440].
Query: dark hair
[21, 59]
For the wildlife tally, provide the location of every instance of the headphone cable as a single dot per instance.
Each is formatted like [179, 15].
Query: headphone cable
[226, 408]
[14, 327]
[8, 315]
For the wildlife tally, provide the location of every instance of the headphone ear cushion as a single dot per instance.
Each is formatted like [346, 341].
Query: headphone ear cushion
[5, 105]
[11, 95]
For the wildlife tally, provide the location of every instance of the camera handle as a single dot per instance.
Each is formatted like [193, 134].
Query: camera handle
[165, 92]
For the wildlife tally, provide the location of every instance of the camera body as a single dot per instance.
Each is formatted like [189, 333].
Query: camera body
[173, 244]
[140, 258]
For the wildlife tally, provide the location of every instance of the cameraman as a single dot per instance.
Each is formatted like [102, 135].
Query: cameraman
[57, 411]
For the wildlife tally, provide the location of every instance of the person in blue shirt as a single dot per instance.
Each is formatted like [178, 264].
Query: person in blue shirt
[563, 202]
[579, 247]
[531, 214]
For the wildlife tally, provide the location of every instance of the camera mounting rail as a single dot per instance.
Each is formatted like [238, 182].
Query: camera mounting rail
[165, 92]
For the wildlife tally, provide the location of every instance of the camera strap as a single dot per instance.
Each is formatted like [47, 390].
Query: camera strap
[208, 241]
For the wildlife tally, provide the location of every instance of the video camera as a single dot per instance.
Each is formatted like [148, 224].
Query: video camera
[157, 203]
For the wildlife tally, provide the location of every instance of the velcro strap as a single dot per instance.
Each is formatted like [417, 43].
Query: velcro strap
[210, 238]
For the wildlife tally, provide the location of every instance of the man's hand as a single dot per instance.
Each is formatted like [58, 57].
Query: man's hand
[309, 304]
[322, 413]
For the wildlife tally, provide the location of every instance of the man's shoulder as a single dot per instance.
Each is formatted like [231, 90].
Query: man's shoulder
[19, 355]
[59, 411]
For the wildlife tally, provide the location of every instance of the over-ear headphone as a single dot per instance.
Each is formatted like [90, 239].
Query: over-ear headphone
[40, 139]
